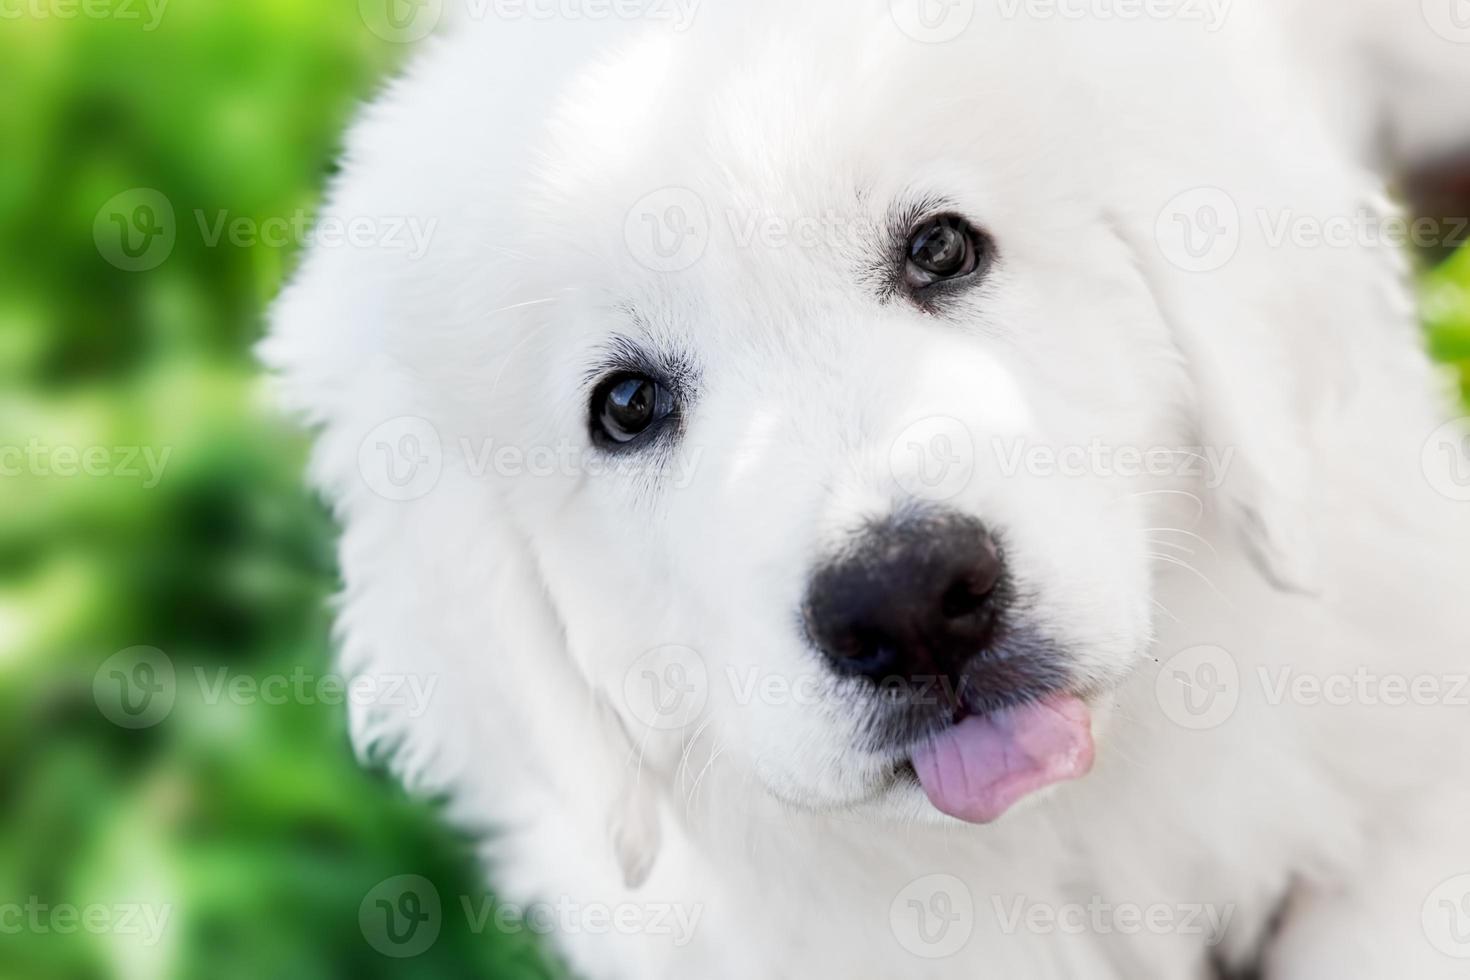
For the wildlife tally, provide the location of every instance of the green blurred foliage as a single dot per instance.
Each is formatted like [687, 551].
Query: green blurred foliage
[1446, 306]
[252, 824]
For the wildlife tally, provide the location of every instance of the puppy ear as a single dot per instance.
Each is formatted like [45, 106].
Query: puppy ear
[567, 732]
[442, 589]
[1246, 387]
[440, 585]
[536, 703]
[633, 823]
[592, 759]
[1246, 413]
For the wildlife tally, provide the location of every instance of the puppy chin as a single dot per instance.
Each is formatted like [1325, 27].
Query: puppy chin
[858, 785]
[902, 802]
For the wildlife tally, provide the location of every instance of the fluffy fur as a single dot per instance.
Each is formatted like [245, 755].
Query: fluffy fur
[529, 599]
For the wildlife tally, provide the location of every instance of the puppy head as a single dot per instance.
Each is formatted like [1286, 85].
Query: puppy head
[853, 406]
[823, 410]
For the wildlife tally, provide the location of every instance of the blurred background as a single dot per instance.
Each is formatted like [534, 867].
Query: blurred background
[148, 499]
[155, 539]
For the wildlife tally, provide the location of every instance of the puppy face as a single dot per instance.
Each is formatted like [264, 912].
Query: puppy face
[816, 412]
[863, 393]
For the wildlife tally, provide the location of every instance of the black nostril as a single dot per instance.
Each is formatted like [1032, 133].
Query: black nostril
[965, 596]
[873, 656]
[912, 597]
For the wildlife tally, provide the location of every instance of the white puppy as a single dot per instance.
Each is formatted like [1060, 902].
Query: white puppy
[811, 431]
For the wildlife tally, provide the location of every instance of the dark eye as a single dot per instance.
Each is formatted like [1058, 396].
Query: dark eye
[626, 405]
[943, 248]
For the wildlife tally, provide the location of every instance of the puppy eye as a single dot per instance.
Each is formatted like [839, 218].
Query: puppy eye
[943, 248]
[627, 405]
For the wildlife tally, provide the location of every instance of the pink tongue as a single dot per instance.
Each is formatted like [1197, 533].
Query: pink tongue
[980, 768]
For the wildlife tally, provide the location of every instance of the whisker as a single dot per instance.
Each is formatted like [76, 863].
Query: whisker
[1199, 504]
[1188, 534]
[683, 767]
[1163, 609]
[694, 790]
[521, 305]
[1172, 560]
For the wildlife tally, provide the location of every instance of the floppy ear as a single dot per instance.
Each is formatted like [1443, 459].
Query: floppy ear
[440, 587]
[1257, 359]
[1248, 409]
[443, 602]
[579, 743]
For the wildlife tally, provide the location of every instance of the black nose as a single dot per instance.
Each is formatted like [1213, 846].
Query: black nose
[914, 598]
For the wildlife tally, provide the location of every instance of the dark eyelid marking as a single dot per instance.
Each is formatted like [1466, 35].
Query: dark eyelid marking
[621, 354]
[887, 272]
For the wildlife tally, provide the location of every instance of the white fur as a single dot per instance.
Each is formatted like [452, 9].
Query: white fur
[529, 598]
